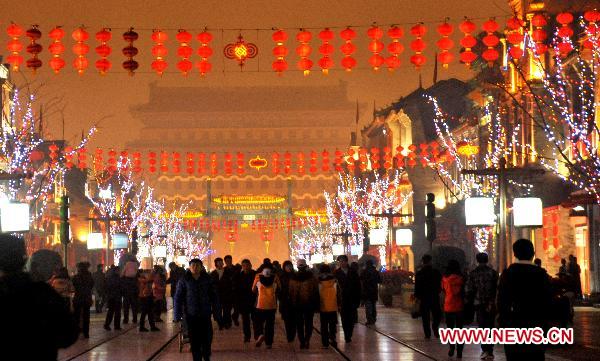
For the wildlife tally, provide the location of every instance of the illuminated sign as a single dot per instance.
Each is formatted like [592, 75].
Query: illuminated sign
[479, 211]
[14, 217]
[337, 249]
[160, 251]
[404, 237]
[527, 212]
[120, 241]
[95, 241]
[377, 237]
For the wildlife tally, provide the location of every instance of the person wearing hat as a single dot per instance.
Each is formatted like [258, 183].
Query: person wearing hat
[304, 299]
[266, 290]
[37, 320]
[83, 283]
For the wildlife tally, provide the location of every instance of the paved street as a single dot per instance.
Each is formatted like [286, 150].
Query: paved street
[396, 336]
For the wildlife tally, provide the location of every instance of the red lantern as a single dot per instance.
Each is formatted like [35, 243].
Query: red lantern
[467, 56]
[189, 162]
[80, 49]
[164, 162]
[201, 163]
[326, 49]
[184, 52]
[159, 51]
[112, 161]
[152, 162]
[412, 156]
[280, 51]
[515, 37]
[205, 51]
[375, 46]
[591, 30]
[313, 162]
[275, 163]
[325, 161]
[395, 48]
[287, 163]
[445, 44]
[348, 62]
[362, 158]
[228, 164]
[418, 45]
[81, 158]
[240, 163]
[491, 41]
[137, 162]
[300, 163]
[176, 163]
[375, 158]
[564, 33]
[424, 154]
[213, 165]
[14, 46]
[338, 160]
[68, 153]
[103, 50]
[56, 49]
[303, 51]
[130, 51]
[399, 157]
[124, 161]
[387, 158]
[538, 34]
[53, 152]
[98, 161]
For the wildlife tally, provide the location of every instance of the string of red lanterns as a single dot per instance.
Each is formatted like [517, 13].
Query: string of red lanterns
[445, 57]
[159, 51]
[130, 65]
[326, 49]
[468, 42]
[184, 51]
[103, 50]
[280, 51]
[14, 46]
[303, 51]
[395, 47]
[348, 62]
[376, 46]
[418, 45]
[80, 49]
[205, 52]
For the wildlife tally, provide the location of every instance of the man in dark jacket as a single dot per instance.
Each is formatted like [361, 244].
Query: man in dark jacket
[370, 279]
[481, 293]
[285, 308]
[99, 287]
[304, 299]
[83, 283]
[349, 282]
[524, 298]
[244, 297]
[113, 298]
[428, 283]
[175, 274]
[233, 271]
[36, 320]
[222, 278]
[197, 297]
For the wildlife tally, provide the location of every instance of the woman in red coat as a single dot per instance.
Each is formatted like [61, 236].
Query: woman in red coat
[453, 287]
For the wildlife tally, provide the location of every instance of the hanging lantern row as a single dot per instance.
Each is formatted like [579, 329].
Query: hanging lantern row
[233, 226]
[240, 50]
[287, 163]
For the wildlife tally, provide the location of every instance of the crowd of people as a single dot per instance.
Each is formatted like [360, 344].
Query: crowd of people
[231, 292]
[45, 295]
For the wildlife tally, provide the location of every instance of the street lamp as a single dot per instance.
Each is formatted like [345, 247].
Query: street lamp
[527, 212]
[14, 217]
[479, 211]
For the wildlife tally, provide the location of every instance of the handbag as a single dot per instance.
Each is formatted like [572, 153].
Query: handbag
[415, 309]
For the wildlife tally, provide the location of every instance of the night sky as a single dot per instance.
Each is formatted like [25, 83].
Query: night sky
[92, 98]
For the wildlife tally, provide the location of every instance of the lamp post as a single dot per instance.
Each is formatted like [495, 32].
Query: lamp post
[345, 236]
[389, 215]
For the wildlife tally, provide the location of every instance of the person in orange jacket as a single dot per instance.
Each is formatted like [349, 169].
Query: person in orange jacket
[266, 305]
[146, 298]
[330, 296]
[453, 287]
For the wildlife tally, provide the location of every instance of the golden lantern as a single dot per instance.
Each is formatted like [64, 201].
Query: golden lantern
[467, 149]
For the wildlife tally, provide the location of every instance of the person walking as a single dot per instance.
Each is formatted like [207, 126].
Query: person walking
[349, 283]
[563, 270]
[113, 298]
[575, 272]
[175, 274]
[222, 280]
[233, 270]
[245, 297]
[129, 283]
[330, 298]
[285, 308]
[83, 284]
[99, 288]
[304, 298]
[36, 320]
[480, 291]
[196, 299]
[266, 290]
[427, 292]
[146, 300]
[524, 299]
[453, 287]
[370, 280]
[159, 290]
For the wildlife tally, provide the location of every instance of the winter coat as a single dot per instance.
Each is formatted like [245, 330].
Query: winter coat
[284, 293]
[196, 297]
[304, 292]
[244, 296]
[99, 281]
[83, 283]
[224, 285]
[145, 281]
[39, 319]
[159, 286]
[428, 283]
[266, 290]
[524, 296]
[452, 286]
[174, 277]
[349, 283]
[113, 285]
[482, 285]
[370, 279]
[330, 295]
